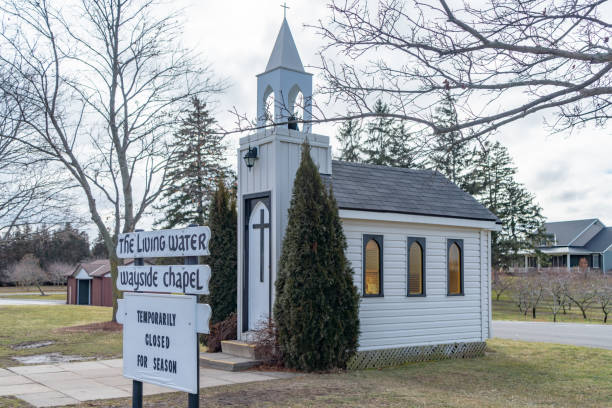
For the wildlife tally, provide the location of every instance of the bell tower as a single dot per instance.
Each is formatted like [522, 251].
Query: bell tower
[267, 162]
[284, 78]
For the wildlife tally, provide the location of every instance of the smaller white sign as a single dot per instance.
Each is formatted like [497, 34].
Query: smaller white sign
[159, 338]
[189, 279]
[191, 241]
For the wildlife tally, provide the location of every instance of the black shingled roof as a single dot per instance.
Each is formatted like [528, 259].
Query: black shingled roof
[368, 187]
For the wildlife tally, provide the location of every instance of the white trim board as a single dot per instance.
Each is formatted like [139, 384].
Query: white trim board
[83, 275]
[419, 219]
[566, 251]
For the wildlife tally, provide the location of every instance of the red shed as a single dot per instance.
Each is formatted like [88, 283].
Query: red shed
[91, 284]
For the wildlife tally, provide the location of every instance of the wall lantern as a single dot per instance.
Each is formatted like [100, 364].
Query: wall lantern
[250, 157]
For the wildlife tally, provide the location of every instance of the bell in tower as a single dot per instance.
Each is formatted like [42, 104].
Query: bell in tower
[283, 81]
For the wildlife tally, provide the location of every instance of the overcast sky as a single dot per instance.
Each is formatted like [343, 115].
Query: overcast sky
[571, 175]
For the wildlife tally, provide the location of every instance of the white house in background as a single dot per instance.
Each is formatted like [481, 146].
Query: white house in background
[569, 242]
[419, 246]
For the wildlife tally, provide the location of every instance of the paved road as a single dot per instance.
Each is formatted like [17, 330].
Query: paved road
[5, 294]
[22, 302]
[577, 334]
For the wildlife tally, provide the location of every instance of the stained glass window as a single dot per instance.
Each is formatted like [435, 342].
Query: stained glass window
[454, 269]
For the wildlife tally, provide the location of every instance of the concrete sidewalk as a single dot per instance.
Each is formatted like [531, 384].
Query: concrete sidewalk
[70, 383]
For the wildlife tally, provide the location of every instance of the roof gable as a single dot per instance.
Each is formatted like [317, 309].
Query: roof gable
[566, 232]
[601, 241]
[367, 187]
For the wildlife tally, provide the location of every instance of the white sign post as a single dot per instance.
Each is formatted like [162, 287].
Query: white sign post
[160, 331]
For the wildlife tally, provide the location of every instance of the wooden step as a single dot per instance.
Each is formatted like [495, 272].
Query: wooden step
[227, 362]
[239, 349]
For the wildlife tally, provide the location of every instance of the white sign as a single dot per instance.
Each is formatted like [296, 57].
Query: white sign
[191, 279]
[191, 241]
[159, 338]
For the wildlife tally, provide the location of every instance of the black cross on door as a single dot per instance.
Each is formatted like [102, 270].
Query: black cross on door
[261, 226]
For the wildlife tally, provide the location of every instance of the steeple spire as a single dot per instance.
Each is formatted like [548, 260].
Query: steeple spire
[285, 53]
[286, 79]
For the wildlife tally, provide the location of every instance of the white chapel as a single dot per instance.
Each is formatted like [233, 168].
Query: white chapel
[419, 246]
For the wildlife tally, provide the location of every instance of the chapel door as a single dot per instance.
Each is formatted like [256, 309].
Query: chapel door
[83, 291]
[258, 263]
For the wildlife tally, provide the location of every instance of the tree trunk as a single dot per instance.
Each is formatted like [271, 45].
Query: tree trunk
[533, 312]
[117, 294]
[40, 289]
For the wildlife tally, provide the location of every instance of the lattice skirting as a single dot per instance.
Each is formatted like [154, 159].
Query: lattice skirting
[401, 355]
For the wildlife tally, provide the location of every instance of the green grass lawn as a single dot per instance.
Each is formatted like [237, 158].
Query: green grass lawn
[512, 374]
[506, 309]
[22, 324]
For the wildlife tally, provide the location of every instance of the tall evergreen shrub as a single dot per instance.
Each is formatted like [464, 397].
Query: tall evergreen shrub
[316, 307]
[222, 221]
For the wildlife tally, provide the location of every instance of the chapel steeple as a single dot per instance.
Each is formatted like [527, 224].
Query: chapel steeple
[285, 78]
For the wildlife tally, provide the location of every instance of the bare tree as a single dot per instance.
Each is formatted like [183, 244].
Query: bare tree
[58, 272]
[30, 193]
[99, 97]
[501, 283]
[529, 291]
[27, 272]
[502, 60]
[582, 291]
[555, 288]
[604, 295]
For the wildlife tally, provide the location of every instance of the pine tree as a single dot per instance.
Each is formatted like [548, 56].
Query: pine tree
[222, 260]
[450, 155]
[401, 149]
[387, 142]
[521, 216]
[99, 249]
[316, 307]
[378, 134]
[197, 162]
[349, 137]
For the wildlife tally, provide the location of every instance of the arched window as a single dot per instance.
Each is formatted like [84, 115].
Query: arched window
[296, 107]
[269, 106]
[416, 267]
[372, 265]
[455, 266]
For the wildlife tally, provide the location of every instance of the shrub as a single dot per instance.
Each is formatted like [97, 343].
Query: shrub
[316, 307]
[223, 330]
[267, 348]
[223, 256]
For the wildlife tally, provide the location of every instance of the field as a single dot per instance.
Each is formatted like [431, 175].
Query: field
[506, 309]
[26, 324]
[512, 374]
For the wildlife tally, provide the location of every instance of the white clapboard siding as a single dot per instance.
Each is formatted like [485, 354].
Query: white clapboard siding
[279, 153]
[396, 320]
